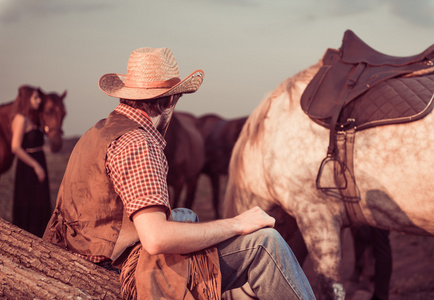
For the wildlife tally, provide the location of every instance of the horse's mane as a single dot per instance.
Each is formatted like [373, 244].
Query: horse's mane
[254, 125]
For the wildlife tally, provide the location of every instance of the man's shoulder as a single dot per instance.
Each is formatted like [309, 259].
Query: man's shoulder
[136, 138]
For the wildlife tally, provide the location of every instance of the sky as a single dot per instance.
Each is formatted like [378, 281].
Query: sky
[245, 47]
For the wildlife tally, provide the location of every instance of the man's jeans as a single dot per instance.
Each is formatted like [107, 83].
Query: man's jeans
[265, 261]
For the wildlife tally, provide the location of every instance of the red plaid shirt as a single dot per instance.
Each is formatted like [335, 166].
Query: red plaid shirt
[137, 166]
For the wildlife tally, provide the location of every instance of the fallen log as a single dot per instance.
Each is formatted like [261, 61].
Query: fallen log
[31, 268]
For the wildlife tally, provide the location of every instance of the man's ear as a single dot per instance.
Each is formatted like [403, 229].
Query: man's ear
[171, 101]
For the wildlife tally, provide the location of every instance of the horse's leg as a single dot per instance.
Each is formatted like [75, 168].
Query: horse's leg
[288, 229]
[296, 243]
[321, 233]
[177, 189]
[383, 262]
[298, 246]
[360, 241]
[215, 183]
[191, 192]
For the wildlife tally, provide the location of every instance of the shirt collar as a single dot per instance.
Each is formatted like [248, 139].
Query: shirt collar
[140, 118]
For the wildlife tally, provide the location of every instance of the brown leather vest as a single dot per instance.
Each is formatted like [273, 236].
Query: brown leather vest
[89, 217]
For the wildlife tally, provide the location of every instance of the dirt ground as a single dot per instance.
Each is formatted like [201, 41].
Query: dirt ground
[412, 273]
[413, 256]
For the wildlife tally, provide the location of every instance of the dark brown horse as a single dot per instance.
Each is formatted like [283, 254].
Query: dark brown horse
[220, 136]
[185, 152]
[52, 115]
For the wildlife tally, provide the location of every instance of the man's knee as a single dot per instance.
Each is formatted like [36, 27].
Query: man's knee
[268, 237]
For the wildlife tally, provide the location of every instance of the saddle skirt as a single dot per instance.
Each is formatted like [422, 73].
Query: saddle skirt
[396, 100]
[359, 87]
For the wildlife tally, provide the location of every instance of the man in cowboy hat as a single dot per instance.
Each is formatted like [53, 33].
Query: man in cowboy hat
[113, 205]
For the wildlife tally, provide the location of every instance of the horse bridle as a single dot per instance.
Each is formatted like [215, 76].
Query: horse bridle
[48, 129]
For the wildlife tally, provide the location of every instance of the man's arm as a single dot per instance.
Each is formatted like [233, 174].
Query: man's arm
[161, 236]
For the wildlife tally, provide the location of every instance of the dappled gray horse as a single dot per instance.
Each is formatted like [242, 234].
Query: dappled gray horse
[275, 165]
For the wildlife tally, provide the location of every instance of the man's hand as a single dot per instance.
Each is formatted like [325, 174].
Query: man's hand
[254, 219]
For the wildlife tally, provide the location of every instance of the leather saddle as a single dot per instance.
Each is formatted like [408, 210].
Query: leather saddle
[358, 87]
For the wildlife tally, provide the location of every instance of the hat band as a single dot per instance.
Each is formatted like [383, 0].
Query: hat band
[152, 84]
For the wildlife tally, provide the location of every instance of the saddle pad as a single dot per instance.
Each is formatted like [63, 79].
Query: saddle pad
[396, 100]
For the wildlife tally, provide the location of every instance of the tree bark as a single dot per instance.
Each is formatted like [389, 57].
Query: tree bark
[31, 268]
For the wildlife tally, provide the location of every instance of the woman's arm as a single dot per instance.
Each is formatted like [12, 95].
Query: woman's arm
[19, 124]
[160, 236]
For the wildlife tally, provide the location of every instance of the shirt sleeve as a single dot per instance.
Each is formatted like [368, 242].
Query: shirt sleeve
[138, 168]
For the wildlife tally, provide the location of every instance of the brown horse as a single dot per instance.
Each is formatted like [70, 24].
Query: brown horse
[52, 115]
[185, 152]
[220, 136]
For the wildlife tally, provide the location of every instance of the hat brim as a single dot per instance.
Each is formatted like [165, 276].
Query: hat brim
[114, 85]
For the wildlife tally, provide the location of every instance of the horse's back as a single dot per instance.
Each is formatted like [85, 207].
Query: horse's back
[207, 123]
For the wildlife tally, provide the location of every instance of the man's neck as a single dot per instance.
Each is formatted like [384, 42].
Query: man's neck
[146, 115]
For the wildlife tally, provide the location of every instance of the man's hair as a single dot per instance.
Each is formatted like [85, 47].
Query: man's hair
[153, 107]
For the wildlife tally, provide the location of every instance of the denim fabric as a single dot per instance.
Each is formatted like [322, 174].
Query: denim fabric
[265, 261]
[184, 215]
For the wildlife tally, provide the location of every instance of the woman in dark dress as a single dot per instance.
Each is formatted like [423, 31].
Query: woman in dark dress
[32, 206]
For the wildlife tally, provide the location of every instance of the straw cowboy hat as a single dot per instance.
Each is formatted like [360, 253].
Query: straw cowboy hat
[151, 73]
